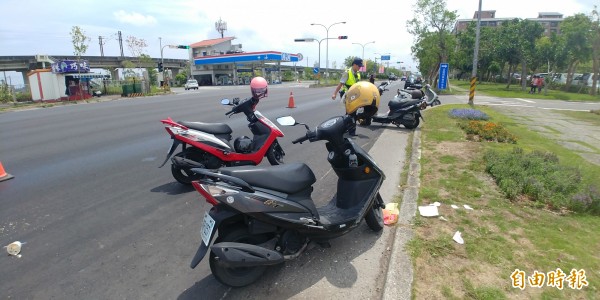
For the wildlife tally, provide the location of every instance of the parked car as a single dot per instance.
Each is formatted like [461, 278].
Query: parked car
[191, 84]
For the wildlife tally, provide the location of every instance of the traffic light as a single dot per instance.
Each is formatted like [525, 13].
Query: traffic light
[183, 47]
[342, 37]
[160, 67]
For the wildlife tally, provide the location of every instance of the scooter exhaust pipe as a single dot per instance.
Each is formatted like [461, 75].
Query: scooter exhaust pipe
[245, 255]
[185, 163]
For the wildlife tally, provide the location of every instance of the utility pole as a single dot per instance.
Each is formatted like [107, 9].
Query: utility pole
[121, 43]
[101, 45]
[475, 60]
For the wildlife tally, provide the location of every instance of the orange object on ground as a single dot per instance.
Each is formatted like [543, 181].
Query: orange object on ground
[291, 101]
[3, 174]
[390, 214]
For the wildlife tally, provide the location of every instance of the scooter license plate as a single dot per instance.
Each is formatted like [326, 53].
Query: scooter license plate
[207, 227]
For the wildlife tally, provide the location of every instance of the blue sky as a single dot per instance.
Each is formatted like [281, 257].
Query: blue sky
[30, 27]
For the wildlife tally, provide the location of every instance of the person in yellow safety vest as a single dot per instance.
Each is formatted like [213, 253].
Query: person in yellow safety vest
[350, 77]
[346, 81]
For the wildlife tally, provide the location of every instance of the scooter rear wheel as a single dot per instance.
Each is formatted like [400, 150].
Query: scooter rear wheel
[242, 276]
[374, 216]
[186, 176]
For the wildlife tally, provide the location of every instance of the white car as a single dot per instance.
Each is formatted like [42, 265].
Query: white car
[191, 84]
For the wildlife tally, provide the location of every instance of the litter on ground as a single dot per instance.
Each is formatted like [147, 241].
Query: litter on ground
[390, 213]
[457, 238]
[14, 248]
[428, 211]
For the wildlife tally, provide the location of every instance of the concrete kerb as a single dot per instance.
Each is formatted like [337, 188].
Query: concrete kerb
[399, 277]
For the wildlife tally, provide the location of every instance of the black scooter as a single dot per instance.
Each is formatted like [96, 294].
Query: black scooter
[265, 215]
[401, 112]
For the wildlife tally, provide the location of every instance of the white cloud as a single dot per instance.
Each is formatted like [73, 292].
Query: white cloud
[134, 18]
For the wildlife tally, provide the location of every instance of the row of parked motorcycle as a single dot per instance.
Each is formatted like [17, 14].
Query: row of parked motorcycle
[264, 215]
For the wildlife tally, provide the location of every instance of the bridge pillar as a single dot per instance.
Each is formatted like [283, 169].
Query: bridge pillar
[114, 74]
[24, 75]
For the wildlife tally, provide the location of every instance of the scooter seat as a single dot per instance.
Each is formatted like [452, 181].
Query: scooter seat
[214, 128]
[287, 178]
[396, 104]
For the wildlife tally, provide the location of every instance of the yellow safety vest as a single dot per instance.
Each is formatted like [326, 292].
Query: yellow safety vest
[351, 80]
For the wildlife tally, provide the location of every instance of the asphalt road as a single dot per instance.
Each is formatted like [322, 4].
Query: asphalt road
[100, 221]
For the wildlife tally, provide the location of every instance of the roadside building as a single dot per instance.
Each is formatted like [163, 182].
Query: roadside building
[550, 21]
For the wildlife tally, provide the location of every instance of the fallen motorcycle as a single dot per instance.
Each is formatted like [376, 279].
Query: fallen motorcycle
[405, 113]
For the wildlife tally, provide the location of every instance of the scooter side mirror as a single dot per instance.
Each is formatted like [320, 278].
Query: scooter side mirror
[286, 121]
[290, 121]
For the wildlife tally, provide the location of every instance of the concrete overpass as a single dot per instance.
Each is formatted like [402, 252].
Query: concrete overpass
[26, 63]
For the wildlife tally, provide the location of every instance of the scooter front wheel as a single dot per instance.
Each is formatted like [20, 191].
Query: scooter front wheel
[275, 154]
[411, 124]
[374, 216]
[241, 276]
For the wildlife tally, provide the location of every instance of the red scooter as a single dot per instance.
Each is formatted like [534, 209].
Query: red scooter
[208, 143]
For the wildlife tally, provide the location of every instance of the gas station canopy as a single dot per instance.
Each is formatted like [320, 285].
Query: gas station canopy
[263, 56]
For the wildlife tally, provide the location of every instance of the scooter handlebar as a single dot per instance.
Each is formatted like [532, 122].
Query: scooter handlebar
[310, 135]
[300, 139]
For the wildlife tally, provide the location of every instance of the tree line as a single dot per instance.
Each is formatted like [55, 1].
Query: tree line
[517, 45]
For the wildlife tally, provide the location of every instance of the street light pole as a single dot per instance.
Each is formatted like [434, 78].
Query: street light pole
[162, 63]
[327, 47]
[363, 48]
[319, 42]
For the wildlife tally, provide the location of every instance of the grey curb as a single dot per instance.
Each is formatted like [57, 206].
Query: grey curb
[399, 278]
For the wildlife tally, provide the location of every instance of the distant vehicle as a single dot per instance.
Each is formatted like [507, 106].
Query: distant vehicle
[191, 84]
[559, 78]
[403, 78]
[393, 77]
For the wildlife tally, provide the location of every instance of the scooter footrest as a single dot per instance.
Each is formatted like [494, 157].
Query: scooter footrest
[245, 255]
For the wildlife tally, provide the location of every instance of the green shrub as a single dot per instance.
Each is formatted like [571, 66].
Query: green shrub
[489, 131]
[540, 177]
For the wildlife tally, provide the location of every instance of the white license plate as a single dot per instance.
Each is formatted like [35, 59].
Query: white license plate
[207, 227]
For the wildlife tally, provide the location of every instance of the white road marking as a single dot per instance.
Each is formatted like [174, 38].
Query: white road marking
[524, 100]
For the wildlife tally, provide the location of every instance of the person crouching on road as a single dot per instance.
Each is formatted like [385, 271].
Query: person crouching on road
[350, 77]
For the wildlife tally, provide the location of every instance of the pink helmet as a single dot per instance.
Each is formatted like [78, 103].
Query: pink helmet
[258, 86]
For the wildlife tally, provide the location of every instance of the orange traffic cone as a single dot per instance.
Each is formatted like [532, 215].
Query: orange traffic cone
[3, 174]
[291, 101]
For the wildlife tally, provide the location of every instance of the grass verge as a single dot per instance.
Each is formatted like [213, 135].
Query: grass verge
[515, 91]
[500, 235]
